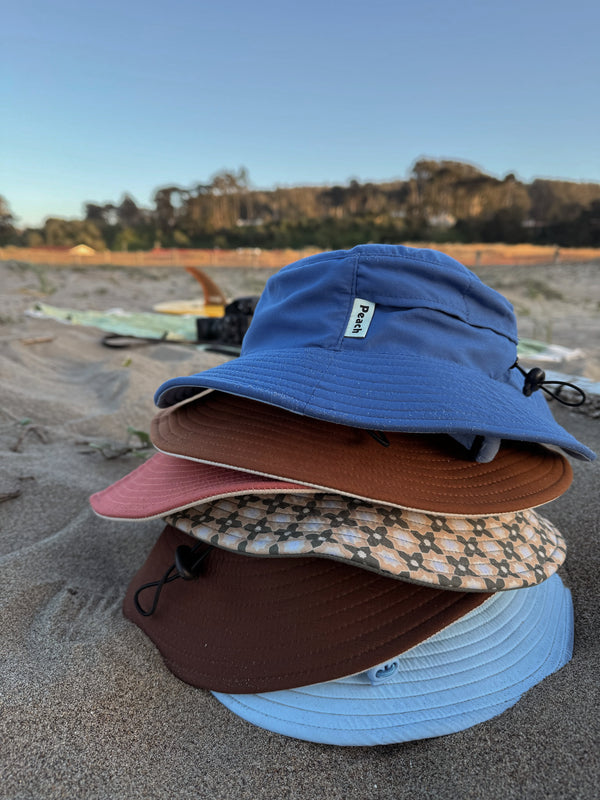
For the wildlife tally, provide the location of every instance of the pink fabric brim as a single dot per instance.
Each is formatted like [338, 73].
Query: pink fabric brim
[165, 484]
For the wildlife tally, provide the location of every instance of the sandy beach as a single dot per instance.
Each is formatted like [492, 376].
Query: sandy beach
[89, 709]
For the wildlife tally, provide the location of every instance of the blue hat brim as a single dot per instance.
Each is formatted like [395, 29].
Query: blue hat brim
[387, 392]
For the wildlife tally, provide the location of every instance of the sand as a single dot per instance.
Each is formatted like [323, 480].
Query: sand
[88, 708]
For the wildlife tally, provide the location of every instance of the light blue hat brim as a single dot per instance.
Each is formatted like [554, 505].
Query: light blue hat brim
[471, 671]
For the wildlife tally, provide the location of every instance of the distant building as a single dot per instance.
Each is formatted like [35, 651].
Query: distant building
[442, 220]
[81, 250]
[246, 223]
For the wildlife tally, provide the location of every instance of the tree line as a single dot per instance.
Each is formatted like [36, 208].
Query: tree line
[440, 201]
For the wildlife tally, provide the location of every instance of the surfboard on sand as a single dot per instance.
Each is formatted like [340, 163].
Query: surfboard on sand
[190, 307]
[211, 304]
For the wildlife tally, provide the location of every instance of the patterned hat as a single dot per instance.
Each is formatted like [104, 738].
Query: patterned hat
[426, 472]
[471, 671]
[474, 554]
[240, 624]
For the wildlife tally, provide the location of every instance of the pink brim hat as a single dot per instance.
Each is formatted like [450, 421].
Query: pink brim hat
[166, 484]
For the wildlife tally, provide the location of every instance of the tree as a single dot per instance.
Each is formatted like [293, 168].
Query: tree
[69, 232]
[170, 203]
[8, 233]
[506, 225]
[101, 215]
[128, 213]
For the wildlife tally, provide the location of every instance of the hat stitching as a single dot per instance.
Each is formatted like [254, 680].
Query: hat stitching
[505, 693]
[180, 648]
[434, 494]
[358, 652]
[349, 305]
[488, 484]
[493, 469]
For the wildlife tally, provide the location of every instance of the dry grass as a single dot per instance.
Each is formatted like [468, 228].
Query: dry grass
[468, 254]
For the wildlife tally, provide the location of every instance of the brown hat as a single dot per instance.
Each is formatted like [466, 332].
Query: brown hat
[424, 472]
[253, 624]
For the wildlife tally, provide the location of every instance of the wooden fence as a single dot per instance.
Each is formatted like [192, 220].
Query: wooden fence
[471, 255]
[155, 258]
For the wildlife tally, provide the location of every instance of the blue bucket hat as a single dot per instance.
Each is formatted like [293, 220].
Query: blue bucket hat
[469, 672]
[389, 338]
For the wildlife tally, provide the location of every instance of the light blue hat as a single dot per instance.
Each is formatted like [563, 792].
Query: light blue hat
[389, 338]
[471, 671]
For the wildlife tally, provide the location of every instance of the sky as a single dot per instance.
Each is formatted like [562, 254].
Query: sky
[102, 99]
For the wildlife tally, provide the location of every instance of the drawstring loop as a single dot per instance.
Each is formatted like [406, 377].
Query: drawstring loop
[380, 437]
[188, 566]
[536, 379]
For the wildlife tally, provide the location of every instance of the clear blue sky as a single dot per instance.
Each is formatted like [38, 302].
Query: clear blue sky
[103, 98]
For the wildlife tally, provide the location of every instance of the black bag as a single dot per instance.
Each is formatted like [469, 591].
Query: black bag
[231, 328]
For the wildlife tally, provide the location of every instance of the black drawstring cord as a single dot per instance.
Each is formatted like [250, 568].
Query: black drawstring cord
[475, 448]
[188, 567]
[380, 437]
[536, 379]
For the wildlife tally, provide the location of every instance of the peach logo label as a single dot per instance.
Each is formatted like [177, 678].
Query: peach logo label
[360, 318]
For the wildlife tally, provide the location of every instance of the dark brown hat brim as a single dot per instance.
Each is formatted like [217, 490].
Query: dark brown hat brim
[253, 624]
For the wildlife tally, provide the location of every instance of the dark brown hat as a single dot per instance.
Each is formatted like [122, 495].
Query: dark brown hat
[423, 472]
[243, 623]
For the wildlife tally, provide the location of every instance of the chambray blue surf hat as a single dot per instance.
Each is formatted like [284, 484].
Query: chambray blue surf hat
[469, 672]
[390, 338]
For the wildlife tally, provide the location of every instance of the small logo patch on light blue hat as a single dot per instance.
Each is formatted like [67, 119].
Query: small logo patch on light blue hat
[360, 318]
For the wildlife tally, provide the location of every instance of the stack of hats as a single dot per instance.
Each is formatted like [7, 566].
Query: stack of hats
[351, 552]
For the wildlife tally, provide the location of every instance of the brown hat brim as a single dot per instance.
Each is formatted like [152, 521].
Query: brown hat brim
[422, 472]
